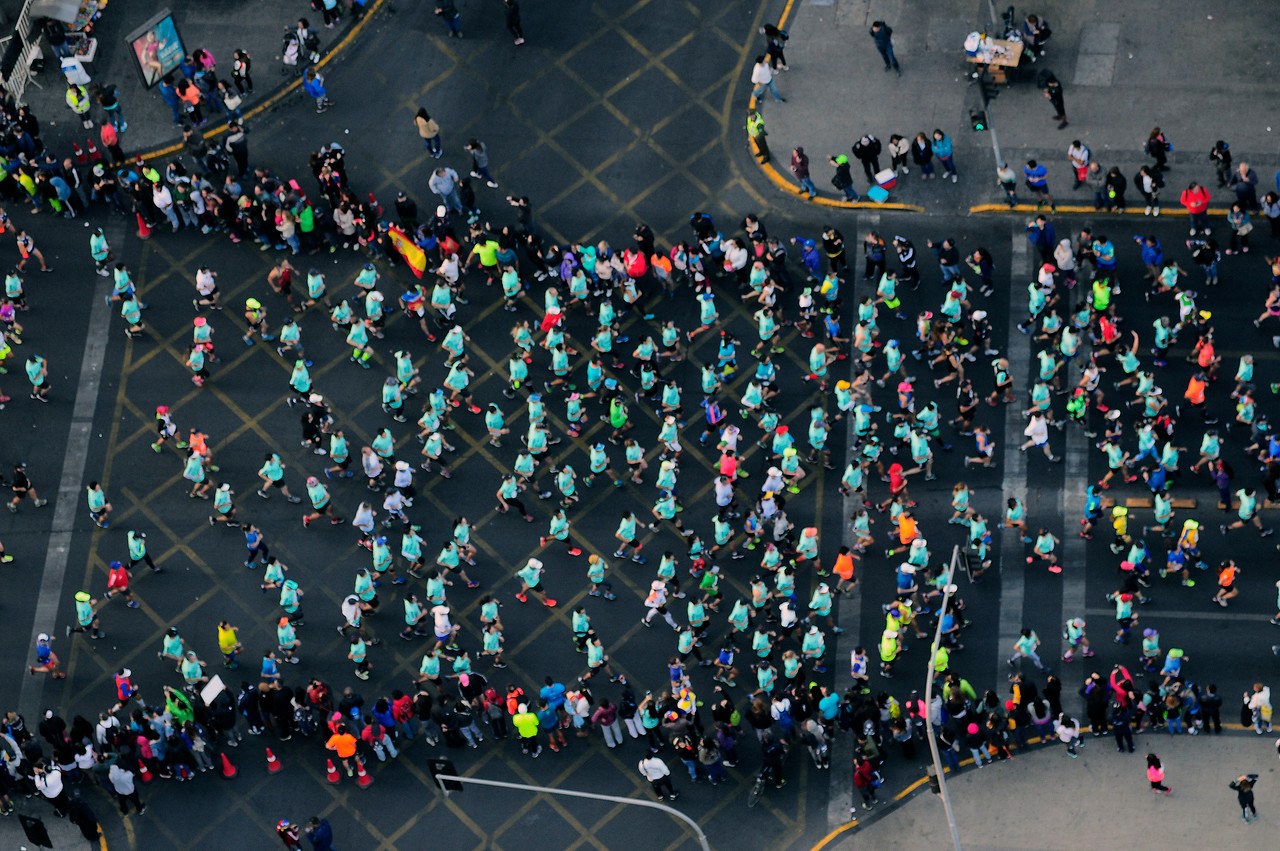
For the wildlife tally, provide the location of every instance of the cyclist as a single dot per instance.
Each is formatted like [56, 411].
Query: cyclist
[772, 753]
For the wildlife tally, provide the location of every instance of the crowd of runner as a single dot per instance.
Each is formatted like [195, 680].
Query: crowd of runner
[585, 348]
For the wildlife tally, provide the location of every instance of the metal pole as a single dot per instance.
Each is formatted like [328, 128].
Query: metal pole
[928, 701]
[991, 128]
[702, 837]
[995, 22]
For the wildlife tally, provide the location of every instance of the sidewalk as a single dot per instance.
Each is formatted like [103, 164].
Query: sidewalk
[1046, 800]
[1123, 72]
[221, 28]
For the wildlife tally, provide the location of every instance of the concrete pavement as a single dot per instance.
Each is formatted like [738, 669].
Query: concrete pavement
[1124, 68]
[1048, 800]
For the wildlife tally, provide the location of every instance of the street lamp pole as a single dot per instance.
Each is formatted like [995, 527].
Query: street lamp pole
[948, 588]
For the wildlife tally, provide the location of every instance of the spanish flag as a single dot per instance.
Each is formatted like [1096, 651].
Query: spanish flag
[409, 250]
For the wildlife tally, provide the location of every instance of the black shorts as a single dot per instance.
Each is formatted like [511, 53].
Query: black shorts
[279, 483]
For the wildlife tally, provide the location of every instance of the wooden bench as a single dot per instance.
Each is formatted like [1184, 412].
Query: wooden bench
[1148, 502]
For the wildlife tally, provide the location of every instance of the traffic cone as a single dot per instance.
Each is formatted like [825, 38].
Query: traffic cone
[332, 776]
[273, 764]
[228, 770]
[81, 157]
[362, 777]
[144, 772]
[144, 232]
[94, 153]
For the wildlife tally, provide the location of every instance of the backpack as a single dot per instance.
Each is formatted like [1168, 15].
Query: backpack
[290, 49]
[845, 716]
[305, 721]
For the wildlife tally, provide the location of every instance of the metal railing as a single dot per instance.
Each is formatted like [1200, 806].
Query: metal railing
[16, 83]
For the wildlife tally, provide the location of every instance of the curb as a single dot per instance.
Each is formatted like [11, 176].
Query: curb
[1092, 211]
[789, 188]
[280, 94]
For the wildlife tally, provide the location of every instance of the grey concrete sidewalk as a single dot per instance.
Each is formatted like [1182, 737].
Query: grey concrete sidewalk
[221, 28]
[1047, 800]
[1197, 70]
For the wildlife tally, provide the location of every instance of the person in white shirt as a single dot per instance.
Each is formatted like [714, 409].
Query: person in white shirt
[659, 776]
[107, 725]
[122, 782]
[762, 77]
[1068, 730]
[163, 200]
[49, 782]
[858, 665]
[1260, 703]
[444, 628]
[724, 492]
[1078, 154]
[1037, 432]
[656, 602]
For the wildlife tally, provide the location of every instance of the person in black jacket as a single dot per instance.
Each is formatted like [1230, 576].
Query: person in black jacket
[922, 155]
[882, 34]
[1211, 709]
[512, 9]
[842, 179]
[1244, 795]
[1115, 185]
[867, 150]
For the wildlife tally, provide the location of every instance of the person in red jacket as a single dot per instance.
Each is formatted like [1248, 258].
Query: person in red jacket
[864, 780]
[1196, 199]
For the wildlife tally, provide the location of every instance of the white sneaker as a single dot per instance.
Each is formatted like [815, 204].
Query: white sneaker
[1155, 211]
[955, 178]
[1146, 211]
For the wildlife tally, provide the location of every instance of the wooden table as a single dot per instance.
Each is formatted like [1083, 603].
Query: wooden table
[997, 63]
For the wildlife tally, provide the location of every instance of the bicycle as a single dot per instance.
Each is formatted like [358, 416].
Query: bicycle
[757, 788]
[763, 778]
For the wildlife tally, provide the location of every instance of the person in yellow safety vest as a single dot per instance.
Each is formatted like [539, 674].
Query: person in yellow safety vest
[756, 132]
[1120, 523]
[78, 100]
[1189, 543]
[888, 652]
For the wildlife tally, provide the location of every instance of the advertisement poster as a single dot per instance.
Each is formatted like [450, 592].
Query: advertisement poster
[157, 48]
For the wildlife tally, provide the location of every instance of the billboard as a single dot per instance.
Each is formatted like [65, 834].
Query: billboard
[156, 48]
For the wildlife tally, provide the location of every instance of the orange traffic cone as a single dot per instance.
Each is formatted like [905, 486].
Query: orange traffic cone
[362, 777]
[81, 156]
[144, 773]
[273, 764]
[94, 154]
[333, 773]
[228, 770]
[144, 232]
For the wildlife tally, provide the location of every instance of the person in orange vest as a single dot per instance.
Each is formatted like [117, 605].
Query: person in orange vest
[190, 97]
[907, 532]
[844, 572]
[1227, 573]
[1206, 356]
[1195, 395]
